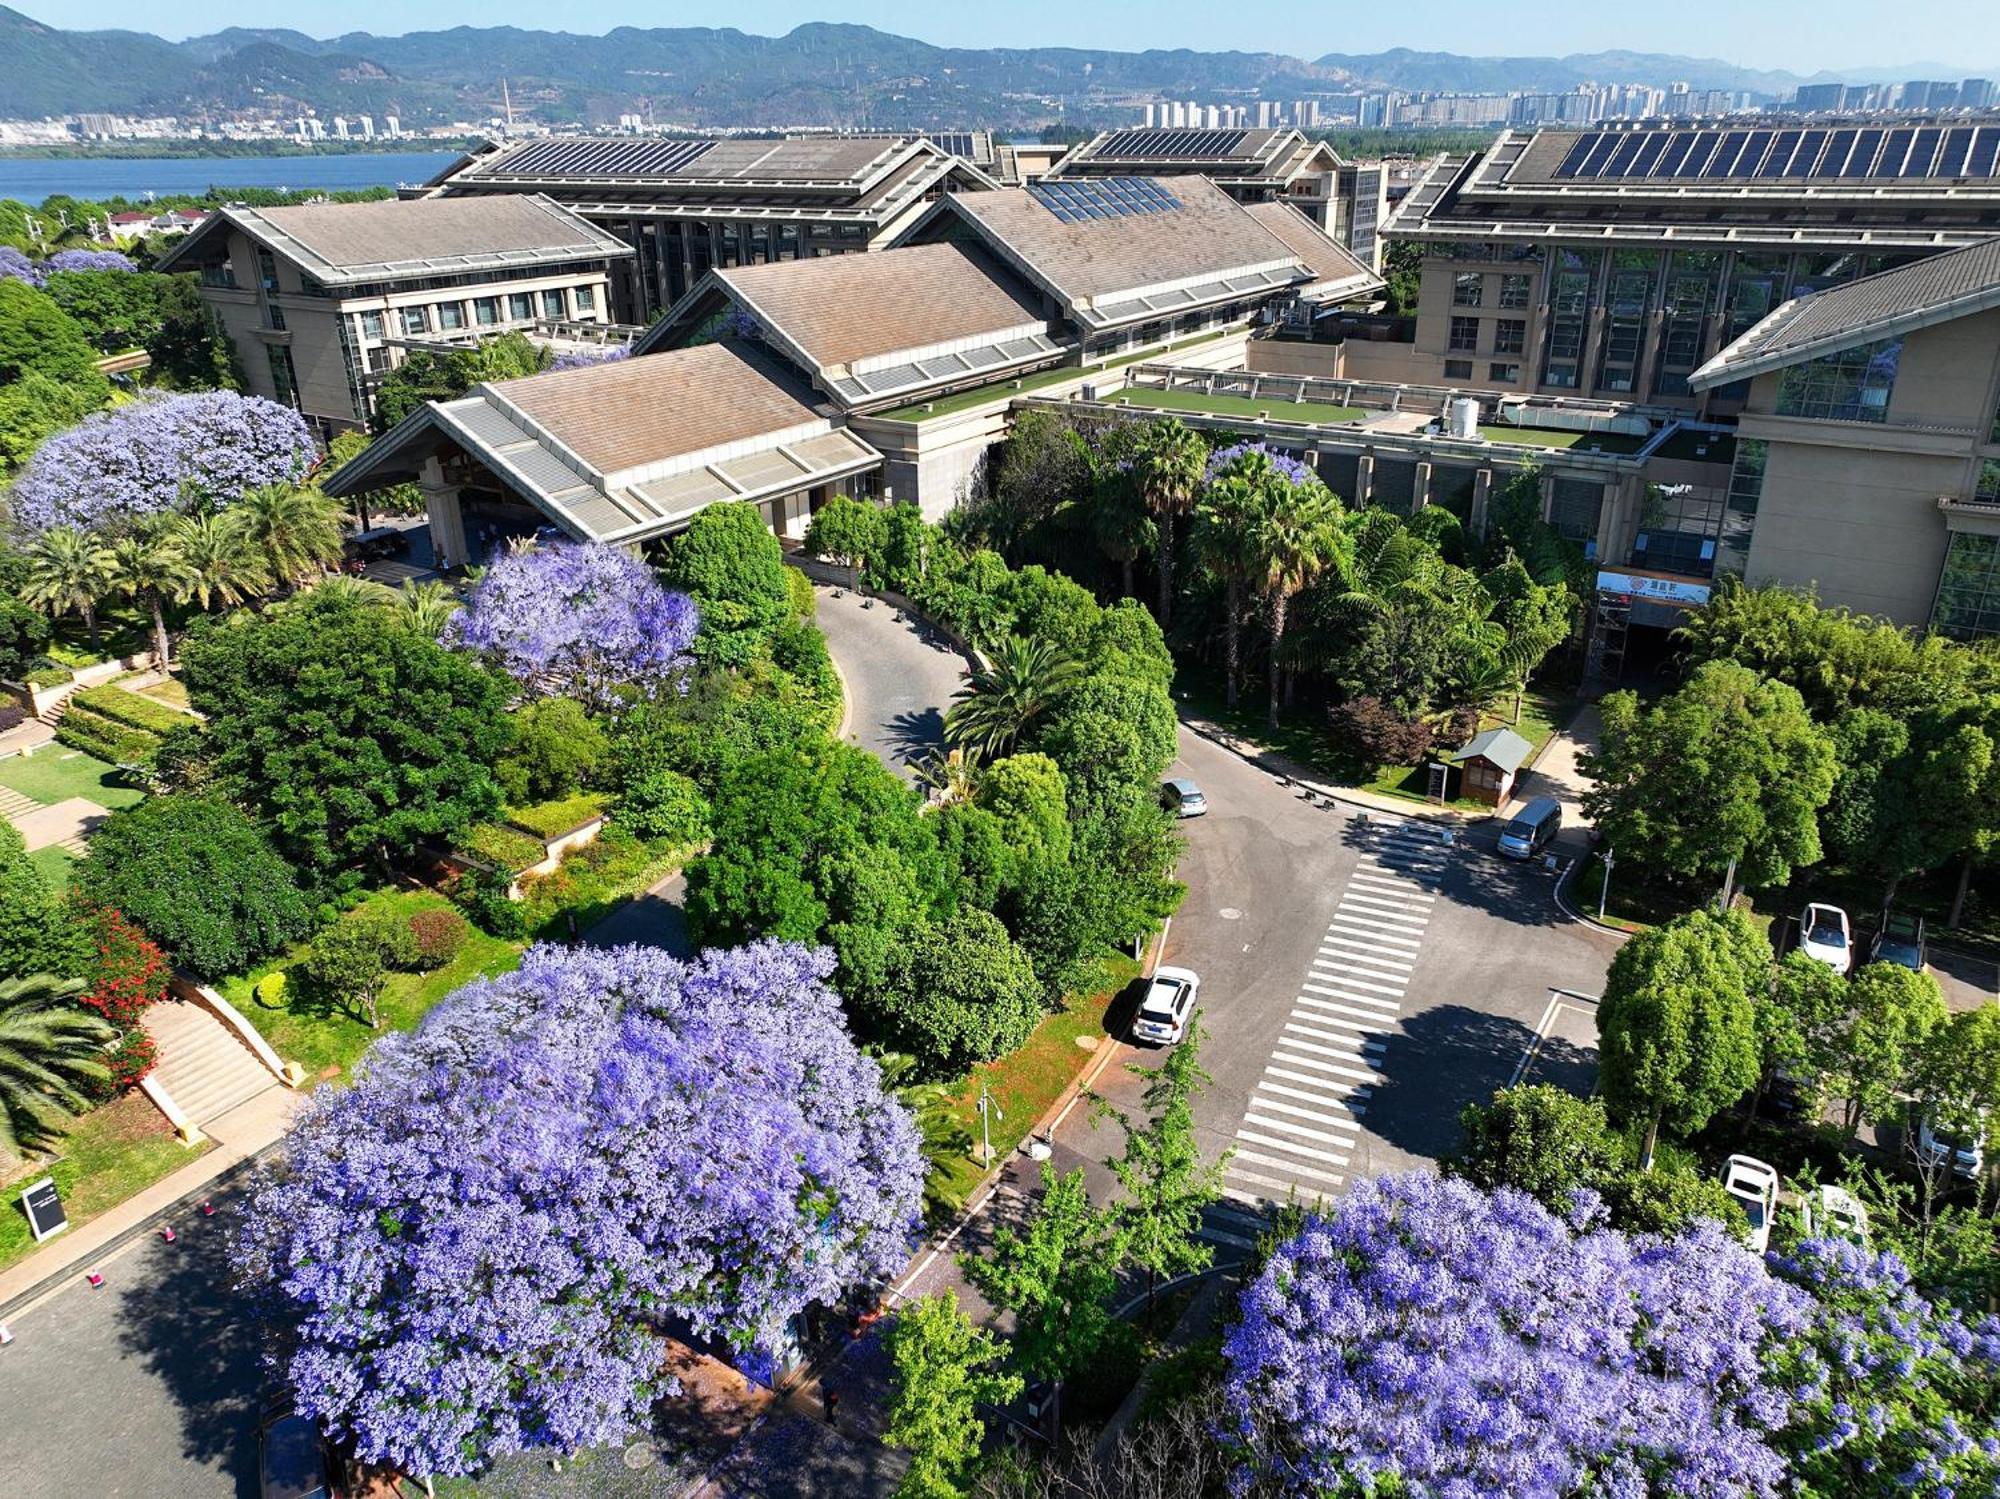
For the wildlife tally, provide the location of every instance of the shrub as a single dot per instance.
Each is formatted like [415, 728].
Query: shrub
[957, 993]
[50, 676]
[125, 973]
[129, 709]
[270, 990]
[132, 1058]
[1379, 735]
[667, 806]
[79, 728]
[482, 895]
[799, 589]
[436, 936]
[12, 716]
[557, 748]
[552, 819]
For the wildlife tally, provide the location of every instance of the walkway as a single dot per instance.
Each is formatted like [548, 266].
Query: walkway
[899, 676]
[1556, 773]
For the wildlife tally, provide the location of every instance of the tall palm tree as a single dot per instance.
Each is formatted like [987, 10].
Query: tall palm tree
[1119, 526]
[222, 565]
[1297, 537]
[426, 607]
[1017, 685]
[295, 530]
[49, 1048]
[69, 572]
[1225, 524]
[1168, 460]
[148, 567]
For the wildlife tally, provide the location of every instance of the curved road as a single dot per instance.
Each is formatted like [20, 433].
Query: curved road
[899, 676]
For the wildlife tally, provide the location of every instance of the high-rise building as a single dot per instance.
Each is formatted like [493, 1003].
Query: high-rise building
[1976, 93]
[366, 124]
[1267, 113]
[393, 126]
[1305, 113]
[340, 127]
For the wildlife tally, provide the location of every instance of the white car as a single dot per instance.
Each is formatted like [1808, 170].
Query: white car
[1169, 1004]
[1937, 1145]
[1829, 1210]
[1825, 935]
[1754, 1185]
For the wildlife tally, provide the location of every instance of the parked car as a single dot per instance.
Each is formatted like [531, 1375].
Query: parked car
[1532, 828]
[1901, 941]
[1938, 1145]
[1825, 935]
[1168, 1006]
[1182, 797]
[293, 1461]
[1754, 1185]
[1828, 1209]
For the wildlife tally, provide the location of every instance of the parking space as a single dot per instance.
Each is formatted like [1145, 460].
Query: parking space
[1968, 979]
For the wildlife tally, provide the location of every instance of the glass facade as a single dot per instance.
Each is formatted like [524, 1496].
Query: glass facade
[1851, 386]
[1574, 510]
[1572, 277]
[1679, 526]
[1691, 286]
[1468, 289]
[1464, 335]
[1968, 596]
[1739, 517]
[1514, 293]
[1628, 298]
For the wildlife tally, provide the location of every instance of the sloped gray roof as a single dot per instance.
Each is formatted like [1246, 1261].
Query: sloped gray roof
[1501, 747]
[1939, 288]
[1337, 271]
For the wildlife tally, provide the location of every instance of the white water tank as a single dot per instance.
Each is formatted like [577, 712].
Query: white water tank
[1464, 417]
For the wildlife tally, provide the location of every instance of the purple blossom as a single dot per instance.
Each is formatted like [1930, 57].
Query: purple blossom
[1475, 1345]
[174, 453]
[14, 266]
[579, 359]
[578, 620]
[88, 260]
[1289, 468]
[479, 1244]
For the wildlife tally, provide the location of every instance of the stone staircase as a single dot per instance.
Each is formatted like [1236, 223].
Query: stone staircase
[52, 710]
[12, 803]
[202, 1064]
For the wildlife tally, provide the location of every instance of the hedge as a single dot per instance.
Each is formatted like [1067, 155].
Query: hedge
[552, 819]
[501, 846]
[130, 709]
[79, 728]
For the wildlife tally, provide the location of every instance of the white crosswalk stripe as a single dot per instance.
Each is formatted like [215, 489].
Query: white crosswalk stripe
[1331, 1121]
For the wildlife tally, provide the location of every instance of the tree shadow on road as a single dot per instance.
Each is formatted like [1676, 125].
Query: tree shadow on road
[914, 736]
[189, 1327]
[1445, 1058]
[1471, 875]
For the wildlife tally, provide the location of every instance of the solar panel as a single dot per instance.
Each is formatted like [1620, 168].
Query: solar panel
[1577, 152]
[1951, 159]
[955, 142]
[602, 158]
[1675, 153]
[1171, 145]
[1081, 200]
[1723, 163]
[1985, 153]
[1895, 147]
[1699, 155]
[1782, 146]
[1593, 164]
[1923, 154]
[1833, 160]
[1910, 153]
[1620, 160]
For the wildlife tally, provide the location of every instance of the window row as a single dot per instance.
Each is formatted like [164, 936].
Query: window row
[1510, 335]
[553, 305]
[1468, 289]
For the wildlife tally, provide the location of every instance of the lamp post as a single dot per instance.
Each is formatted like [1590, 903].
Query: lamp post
[988, 1110]
[1604, 886]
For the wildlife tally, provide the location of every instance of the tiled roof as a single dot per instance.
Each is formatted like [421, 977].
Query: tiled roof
[1336, 270]
[1954, 284]
[344, 243]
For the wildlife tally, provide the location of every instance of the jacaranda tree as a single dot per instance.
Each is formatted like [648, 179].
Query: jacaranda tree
[578, 620]
[477, 1244]
[179, 453]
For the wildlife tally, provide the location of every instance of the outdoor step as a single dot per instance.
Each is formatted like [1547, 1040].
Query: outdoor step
[202, 1063]
[13, 803]
[75, 844]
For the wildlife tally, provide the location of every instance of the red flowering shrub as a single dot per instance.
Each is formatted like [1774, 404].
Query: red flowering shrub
[127, 972]
[437, 936]
[133, 1058]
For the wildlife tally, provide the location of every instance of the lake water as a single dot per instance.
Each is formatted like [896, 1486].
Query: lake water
[31, 181]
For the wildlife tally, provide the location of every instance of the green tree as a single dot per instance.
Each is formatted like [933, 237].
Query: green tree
[36, 933]
[1168, 459]
[38, 337]
[1297, 536]
[1934, 798]
[558, 748]
[148, 567]
[295, 529]
[1167, 1184]
[847, 530]
[427, 376]
[735, 568]
[35, 406]
[1667, 1202]
[1113, 738]
[1541, 1140]
[117, 310]
[1677, 1023]
[51, 1054]
[945, 1370]
[426, 607]
[200, 878]
[1892, 1014]
[1026, 793]
[956, 993]
[223, 567]
[1799, 1025]
[1056, 1276]
[1728, 770]
[354, 738]
[348, 962]
[1958, 1076]
[1004, 697]
[67, 571]
[1225, 540]
[191, 350]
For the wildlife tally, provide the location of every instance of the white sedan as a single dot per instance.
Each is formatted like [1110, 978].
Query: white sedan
[1754, 1185]
[1168, 1006]
[1824, 934]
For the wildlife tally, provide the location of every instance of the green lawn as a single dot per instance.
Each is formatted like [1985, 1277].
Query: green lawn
[57, 773]
[1616, 444]
[55, 865]
[327, 1041]
[170, 692]
[110, 1154]
[1225, 405]
[966, 400]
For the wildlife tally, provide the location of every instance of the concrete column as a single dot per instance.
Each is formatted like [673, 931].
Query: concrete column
[1482, 490]
[1420, 488]
[447, 520]
[1364, 479]
[1548, 496]
[1607, 520]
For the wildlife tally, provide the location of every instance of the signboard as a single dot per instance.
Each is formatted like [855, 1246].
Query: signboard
[1440, 781]
[1686, 591]
[43, 1205]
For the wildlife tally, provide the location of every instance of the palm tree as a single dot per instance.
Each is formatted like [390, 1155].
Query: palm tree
[992, 711]
[1225, 523]
[426, 607]
[346, 589]
[148, 566]
[1298, 536]
[69, 571]
[295, 530]
[1168, 461]
[1119, 526]
[222, 565]
[948, 779]
[49, 1048]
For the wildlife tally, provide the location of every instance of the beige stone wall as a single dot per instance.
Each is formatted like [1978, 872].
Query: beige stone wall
[1278, 356]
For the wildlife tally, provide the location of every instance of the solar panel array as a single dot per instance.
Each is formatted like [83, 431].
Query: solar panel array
[1103, 198]
[601, 158]
[958, 143]
[1851, 154]
[1172, 145]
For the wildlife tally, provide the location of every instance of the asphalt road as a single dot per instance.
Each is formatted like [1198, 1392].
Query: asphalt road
[899, 676]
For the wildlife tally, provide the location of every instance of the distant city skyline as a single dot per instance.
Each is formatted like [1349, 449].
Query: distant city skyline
[1801, 36]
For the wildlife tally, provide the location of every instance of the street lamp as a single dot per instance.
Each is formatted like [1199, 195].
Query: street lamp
[1604, 886]
[988, 1111]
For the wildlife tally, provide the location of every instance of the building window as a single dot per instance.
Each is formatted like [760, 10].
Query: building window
[1574, 274]
[371, 325]
[1756, 287]
[1739, 517]
[586, 299]
[1851, 386]
[223, 275]
[1510, 335]
[1574, 510]
[1505, 374]
[1560, 377]
[274, 317]
[451, 315]
[1628, 298]
[267, 269]
[1514, 292]
[1691, 282]
[1458, 369]
[1468, 289]
[520, 307]
[1464, 334]
[1968, 596]
[552, 304]
[1679, 525]
[487, 311]
[1987, 490]
[281, 375]
[416, 320]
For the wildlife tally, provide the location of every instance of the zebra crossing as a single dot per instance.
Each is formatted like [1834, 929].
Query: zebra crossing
[1300, 1126]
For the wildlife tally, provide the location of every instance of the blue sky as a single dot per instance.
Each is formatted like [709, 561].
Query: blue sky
[1802, 35]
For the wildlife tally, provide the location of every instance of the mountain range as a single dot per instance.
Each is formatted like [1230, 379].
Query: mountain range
[820, 74]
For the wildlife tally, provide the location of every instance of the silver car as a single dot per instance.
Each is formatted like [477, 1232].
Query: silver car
[1182, 797]
[1169, 1004]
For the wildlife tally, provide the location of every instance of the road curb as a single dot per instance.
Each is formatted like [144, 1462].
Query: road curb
[1582, 917]
[1260, 758]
